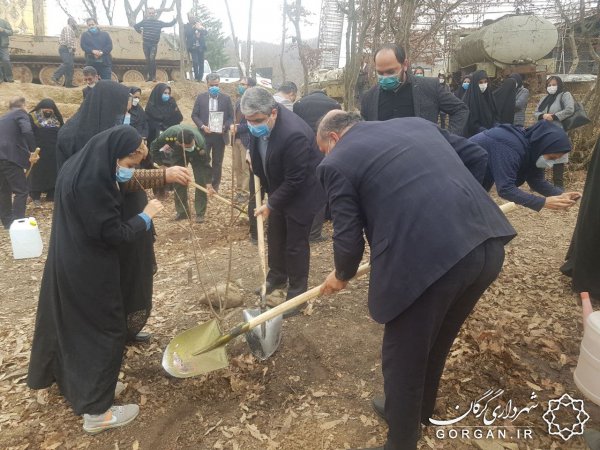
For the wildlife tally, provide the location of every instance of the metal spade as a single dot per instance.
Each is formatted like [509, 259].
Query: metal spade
[263, 341]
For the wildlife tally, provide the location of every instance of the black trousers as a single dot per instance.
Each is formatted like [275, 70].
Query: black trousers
[150, 54]
[66, 68]
[12, 181]
[417, 342]
[197, 63]
[215, 148]
[289, 252]
[316, 231]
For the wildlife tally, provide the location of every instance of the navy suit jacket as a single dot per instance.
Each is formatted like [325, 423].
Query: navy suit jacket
[421, 209]
[200, 113]
[292, 157]
[17, 137]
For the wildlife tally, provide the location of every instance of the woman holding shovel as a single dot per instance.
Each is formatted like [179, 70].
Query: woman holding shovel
[80, 327]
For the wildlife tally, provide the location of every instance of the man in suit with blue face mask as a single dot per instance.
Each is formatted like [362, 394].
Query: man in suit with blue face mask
[214, 101]
[284, 155]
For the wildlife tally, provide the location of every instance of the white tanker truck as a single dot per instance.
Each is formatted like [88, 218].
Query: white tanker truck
[515, 43]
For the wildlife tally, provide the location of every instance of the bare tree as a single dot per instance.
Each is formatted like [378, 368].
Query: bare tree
[236, 44]
[296, 13]
[249, 40]
[132, 12]
[570, 32]
[283, 36]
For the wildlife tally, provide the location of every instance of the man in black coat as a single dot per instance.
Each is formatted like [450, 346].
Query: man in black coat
[16, 146]
[97, 46]
[195, 42]
[214, 101]
[436, 239]
[311, 108]
[400, 94]
[284, 156]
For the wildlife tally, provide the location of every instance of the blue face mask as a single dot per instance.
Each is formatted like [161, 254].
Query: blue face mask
[543, 163]
[124, 174]
[214, 90]
[165, 97]
[465, 86]
[259, 130]
[388, 83]
[93, 30]
[127, 119]
[241, 90]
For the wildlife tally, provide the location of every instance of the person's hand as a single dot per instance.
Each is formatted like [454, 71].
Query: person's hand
[548, 117]
[232, 128]
[179, 175]
[34, 157]
[263, 211]
[153, 208]
[331, 285]
[558, 202]
[571, 195]
[210, 190]
[206, 129]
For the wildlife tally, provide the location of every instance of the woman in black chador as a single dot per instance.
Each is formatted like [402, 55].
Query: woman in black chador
[81, 329]
[162, 111]
[583, 258]
[46, 121]
[100, 110]
[483, 113]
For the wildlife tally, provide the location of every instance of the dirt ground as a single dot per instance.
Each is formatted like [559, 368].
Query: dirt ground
[314, 393]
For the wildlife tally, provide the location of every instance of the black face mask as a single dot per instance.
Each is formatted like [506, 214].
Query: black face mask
[47, 114]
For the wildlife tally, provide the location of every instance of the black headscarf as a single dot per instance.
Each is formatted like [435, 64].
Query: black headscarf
[460, 90]
[134, 89]
[157, 109]
[482, 108]
[583, 256]
[549, 99]
[48, 103]
[505, 97]
[98, 112]
[544, 138]
[517, 78]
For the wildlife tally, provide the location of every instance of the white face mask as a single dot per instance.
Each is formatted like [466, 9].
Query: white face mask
[543, 163]
[552, 89]
[135, 101]
[441, 80]
[483, 87]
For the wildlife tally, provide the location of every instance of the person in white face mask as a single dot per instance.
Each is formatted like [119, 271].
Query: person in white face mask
[517, 156]
[555, 107]
[483, 113]
[137, 115]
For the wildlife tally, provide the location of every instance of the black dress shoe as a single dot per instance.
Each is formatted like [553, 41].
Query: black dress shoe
[271, 287]
[378, 404]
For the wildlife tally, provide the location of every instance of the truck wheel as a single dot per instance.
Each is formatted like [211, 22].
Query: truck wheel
[133, 76]
[22, 73]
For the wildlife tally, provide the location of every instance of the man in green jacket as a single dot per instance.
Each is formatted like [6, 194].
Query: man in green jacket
[6, 73]
[180, 145]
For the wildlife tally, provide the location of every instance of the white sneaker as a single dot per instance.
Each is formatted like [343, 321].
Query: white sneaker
[119, 388]
[116, 416]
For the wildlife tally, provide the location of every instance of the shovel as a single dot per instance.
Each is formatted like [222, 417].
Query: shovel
[36, 153]
[202, 349]
[263, 342]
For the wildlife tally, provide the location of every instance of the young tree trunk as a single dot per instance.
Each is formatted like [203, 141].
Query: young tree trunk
[295, 14]
[359, 21]
[133, 12]
[249, 42]
[182, 49]
[234, 38]
[283, 33]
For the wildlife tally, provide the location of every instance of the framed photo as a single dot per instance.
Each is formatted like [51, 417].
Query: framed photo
[215, 121]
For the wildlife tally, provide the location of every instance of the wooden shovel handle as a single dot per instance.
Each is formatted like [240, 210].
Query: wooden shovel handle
[508, 207]
[260, 234]
[296, 301]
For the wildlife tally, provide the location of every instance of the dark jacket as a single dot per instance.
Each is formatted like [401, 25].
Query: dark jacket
[418, 205]
[292, 156]
[139, 120]
[97, 41]
[150, 29]
[314, 106]
[242, 131]
[193, 41]
[429, 98]
[17, 137]
[5, 33]
[200, 113]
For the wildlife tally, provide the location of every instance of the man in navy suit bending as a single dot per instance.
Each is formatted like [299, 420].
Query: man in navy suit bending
[437, 242]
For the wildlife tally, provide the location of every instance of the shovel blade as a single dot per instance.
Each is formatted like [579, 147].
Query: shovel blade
[178, 359]
[264, 339]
